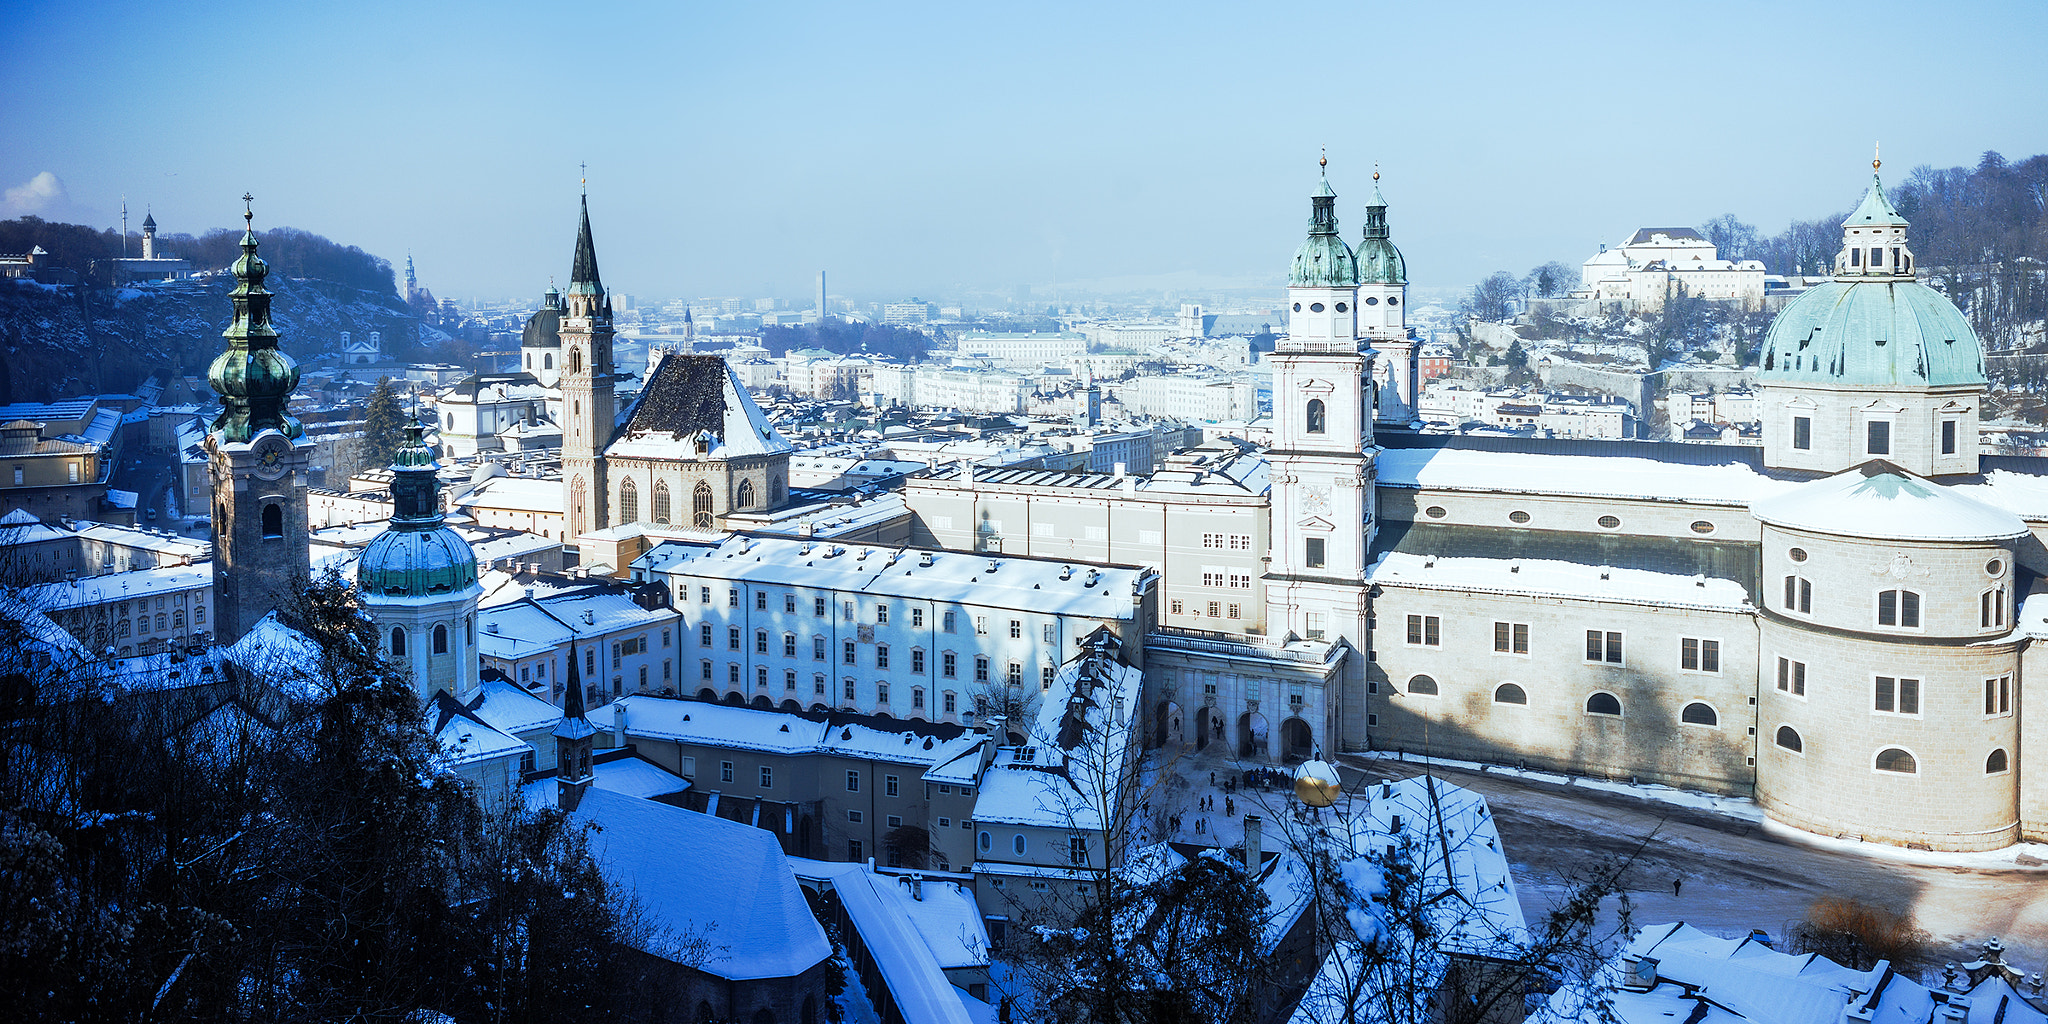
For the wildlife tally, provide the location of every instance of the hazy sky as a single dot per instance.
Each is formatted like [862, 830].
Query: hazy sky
[739, 148]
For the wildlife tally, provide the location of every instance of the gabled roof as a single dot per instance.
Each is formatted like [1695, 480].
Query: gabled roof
[688, 396]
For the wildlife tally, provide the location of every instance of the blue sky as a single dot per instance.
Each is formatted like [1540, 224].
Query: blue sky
[931, 149]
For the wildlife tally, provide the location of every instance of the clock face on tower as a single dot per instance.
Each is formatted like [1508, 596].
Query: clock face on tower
[270, 453]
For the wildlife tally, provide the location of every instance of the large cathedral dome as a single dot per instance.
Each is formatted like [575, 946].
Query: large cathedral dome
[1872, 333]
[1874, 325]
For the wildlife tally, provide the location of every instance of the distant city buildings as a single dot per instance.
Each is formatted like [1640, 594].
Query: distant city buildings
[1655, 263]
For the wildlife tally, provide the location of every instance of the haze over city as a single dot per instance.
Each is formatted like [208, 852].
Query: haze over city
[940, 148]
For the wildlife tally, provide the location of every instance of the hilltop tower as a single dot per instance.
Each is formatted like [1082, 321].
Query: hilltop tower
[418, 581]
[148, 235]
[257, 457]
[1322, 468]
[589, 406]
[1383, 315]
[1872, 364]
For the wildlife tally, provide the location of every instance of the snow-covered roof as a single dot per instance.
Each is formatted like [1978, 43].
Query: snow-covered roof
[636, 777]
[120, 586]
[697, 873]
[1881, 501]
[1074, 756]
[466, 738]
[1552, 578]
[1460, 469]
[997, 581]
[22, 527]
[511, 709]
[692, 396]
[515, 494]
[708, 723]
[287, 658]
[912, 942]
[1697, 977]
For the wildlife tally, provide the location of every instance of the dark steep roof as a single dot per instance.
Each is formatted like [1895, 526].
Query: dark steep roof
[1642, 235]
[583, 273]
[684, 395]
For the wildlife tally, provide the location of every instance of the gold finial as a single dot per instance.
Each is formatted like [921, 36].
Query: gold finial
[1875, 163]
[583, 172]
[1324, 162]
[1375, 170]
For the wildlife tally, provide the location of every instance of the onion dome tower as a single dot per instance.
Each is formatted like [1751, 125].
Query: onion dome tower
[1321, 462]
[1872, 364]
[418, 581]
[257, 457]
[1383, 315]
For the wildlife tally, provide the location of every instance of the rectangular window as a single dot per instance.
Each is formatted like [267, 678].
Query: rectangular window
[1695, 655]
[817, 686]
[951, 702]
[1312, 625]
[767, 777]
[1045, 678]
[981, 625]
[881, 615]
[891, 786]
[760, 641]
[846, 651]
[732, 597]
[818, 607]
[1802, 432]
[789, 680]
[1799, 595]
[946, 622]
[949, 664]
[1948, 437]
[1998, 696]
[1016, 629]
[980, 669]
[1015, 675]
[707, 670]
[847, 607]
[1175, 607]
[853, 782]
[732, 673]
[1048, 632]
[1425, 631]
[1897, 695]
[855, 817]
[1235, 611]
[1878, 437]
[854, 850]
[732, 638]
[1077, 850]
[917, 699]
[664, 638]
[881, 693]
[789, 645]
[1313, 556]
[1991, 608]
[789, 604]
[1511, 637]
[847, 689]
[894, 821]
[917, 618]
[1215, 609]
[725, 771]
[760, 600]
[704, 635]
[1898, 608]
[881, 655]
[1792, 677]
[917, 662]
[817, 648]
[1602, 647]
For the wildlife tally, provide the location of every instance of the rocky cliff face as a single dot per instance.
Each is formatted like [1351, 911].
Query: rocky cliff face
[64, 340]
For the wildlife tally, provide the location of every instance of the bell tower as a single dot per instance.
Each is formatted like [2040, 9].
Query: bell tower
[1383, 315]
[589, 406]
[1322, 466]
[257, 457]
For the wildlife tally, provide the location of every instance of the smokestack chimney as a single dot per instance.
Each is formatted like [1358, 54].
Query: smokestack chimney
[821, 296]
[619, 723]
[1254, 843]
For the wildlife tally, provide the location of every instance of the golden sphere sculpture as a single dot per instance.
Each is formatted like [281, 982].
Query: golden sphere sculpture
[1317, 784]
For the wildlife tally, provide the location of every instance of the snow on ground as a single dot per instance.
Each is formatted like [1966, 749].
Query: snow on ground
[854, 1005]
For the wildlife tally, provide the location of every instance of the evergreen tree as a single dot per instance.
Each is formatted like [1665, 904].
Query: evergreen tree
[383, 426]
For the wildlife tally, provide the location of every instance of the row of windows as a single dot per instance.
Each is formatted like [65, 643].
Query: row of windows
[1599, 703]
[950, 703]
[948, 621]
[1892, 759]
[1216, 609]
[1603, 647]
[1227, 541]
[439, 637]
[1077, 846]
[1877, 435]
[849, 654]
[1233, 580]
[1896, 695]
[1897, 609]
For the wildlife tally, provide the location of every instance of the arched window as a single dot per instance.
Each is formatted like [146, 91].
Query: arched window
[746, 494]
[440, 639]
[1603, 704]
[398, 639]
[575, 360]
[1788, 738]
[778, 493]
[662, 511]
[1510, 693]
[700, 507]
[1422, 685]
[1893, 759]
[576, 495]
[1899, 608]
[547, 360]
[273, 520]
[1699, 714]
[629, 501]
[1996, 763]
[1316, 422]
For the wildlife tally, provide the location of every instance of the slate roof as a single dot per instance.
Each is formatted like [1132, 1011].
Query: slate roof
[688, 395]
[1643, 235]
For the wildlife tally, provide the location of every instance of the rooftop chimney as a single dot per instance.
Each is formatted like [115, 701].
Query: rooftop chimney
[1254, 843]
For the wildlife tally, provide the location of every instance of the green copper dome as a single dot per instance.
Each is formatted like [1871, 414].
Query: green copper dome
[1873, 334]
[1323, 261]
[253, 376]
[1378, 261]
[417, 556]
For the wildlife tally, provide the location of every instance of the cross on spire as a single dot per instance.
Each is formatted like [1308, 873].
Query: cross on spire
[249, 209]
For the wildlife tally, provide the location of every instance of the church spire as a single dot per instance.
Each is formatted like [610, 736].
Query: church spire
[254, 378]
[573, 735]
[583, 279]
[415, 484]
[1323, 261]
[1379, 262]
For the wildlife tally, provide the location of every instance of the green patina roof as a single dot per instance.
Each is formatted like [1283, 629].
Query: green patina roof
[1323, 261]
[417, 556]
[1875, 210]
[253, 377]
[1379, 262]
[1872, 333]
